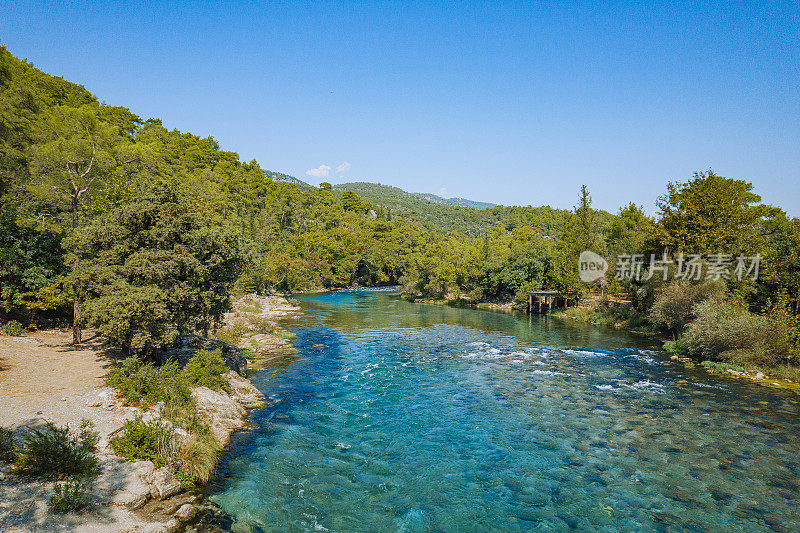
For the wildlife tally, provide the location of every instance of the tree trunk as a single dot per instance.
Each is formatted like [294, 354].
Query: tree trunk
[76, 321]
[76, 305]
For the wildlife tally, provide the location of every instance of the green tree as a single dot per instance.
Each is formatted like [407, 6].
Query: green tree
[711, 214]
[76, 152]
[154, 269]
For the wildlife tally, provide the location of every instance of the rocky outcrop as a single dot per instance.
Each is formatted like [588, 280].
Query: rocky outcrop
[186, 346]
[223, 412]
[244, 392]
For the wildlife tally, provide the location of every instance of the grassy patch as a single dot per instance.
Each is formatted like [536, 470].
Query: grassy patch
[140, 440]
[720, 367]
[232, 333]
[72, 495]
[54, 453]
[197, 458]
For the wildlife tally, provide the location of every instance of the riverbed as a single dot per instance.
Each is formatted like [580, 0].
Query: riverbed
[396, 416]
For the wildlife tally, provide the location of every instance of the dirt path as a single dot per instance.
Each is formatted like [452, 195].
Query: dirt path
[43, 376]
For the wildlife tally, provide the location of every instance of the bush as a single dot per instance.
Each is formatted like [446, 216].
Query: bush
[12, 328]
[147, 384]
[140, 440]
[71, 495]
[52, 453]
[7, 452]
[674, 304]
[206, 369]
[727, 331]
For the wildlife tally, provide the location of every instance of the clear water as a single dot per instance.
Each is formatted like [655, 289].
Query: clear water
[425, 418]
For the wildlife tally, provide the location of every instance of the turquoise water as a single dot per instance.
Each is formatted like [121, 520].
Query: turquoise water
[425, 418]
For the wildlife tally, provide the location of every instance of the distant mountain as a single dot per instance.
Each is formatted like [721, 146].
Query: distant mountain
[285, 178]
[462, 202]
[444, 216]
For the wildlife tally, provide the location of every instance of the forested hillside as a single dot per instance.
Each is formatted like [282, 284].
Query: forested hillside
[462, 202]
[442, 216]
[113, 221]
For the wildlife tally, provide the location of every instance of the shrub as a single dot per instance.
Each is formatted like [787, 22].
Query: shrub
[12, 328]
[783, 338]
[140, 440]
[7, 452]
[71, 495]
[147, 384]
[52, 453]
[206, 369]
[674, 304]
[726, 330]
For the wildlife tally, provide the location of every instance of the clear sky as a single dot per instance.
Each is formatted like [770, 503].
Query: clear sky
[511, 103]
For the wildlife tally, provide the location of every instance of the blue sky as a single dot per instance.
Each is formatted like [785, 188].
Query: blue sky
[513, 103]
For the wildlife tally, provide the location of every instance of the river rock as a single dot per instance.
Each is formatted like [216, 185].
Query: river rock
[164, 483]
[186, 346]
[186, 512]
[224, 413]
[244, 392]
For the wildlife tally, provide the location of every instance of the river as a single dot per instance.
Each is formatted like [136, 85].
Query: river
[396, 416]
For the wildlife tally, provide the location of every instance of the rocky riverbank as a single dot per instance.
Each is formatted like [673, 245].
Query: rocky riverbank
[43, 378]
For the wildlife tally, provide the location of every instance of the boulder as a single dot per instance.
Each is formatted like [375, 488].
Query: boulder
[127, 482]
[224, 413]
[164, 483]
[186, 346]
[186, 512]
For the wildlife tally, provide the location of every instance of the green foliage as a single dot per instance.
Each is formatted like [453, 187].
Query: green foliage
[7, 451]
[71, 495]
[674, 305]
[12, 328]
[206, 369]
[53, 453]
[725, 330]
[711, 214]
[154, 269]
[147, 384]
[629, 231]
[141, 440]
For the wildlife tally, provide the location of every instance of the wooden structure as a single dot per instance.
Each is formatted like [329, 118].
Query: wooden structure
[542, 302]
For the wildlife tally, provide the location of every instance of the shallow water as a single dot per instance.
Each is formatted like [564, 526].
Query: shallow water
[425, 418]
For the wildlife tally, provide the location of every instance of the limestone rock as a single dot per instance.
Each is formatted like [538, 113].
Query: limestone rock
[186, 512]
[125, 482]
[164, 483]
[224, 413]
[186, 346]
[244, 392]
